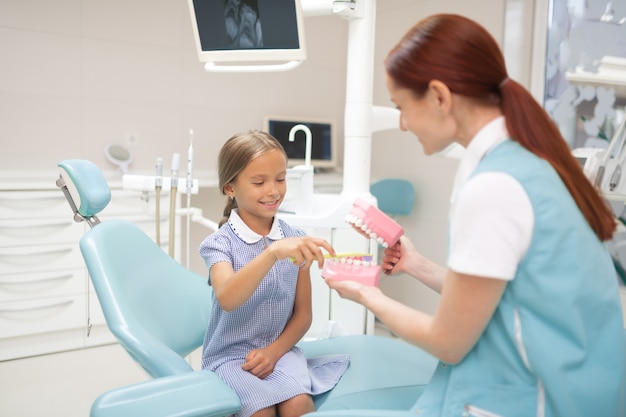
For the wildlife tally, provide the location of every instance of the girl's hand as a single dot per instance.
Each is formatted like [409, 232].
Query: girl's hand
[260, 363]
[302, 250]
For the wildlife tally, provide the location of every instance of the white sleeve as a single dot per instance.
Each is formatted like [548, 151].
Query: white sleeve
[491, 226]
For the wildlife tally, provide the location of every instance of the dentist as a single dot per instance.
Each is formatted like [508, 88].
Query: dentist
[529, 321]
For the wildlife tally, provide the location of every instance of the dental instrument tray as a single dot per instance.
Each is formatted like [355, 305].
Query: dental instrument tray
[374, 223]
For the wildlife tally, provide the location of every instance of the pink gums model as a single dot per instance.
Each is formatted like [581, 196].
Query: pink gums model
[374, 223]
[353, 268]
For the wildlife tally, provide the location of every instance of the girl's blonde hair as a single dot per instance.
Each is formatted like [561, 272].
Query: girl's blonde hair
[236, 154]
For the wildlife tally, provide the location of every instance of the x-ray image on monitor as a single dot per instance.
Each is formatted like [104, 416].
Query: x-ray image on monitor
[248, 30]
[243, 24]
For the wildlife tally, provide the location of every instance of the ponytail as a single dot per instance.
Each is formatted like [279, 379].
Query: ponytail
[231, 204]
[530, 125]
[464, 56]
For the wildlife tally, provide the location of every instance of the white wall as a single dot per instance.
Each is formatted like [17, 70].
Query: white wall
[76, 75]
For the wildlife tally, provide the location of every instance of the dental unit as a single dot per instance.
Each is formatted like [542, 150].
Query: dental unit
[158, 182]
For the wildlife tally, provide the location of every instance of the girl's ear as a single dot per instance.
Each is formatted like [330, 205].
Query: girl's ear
[228, 190]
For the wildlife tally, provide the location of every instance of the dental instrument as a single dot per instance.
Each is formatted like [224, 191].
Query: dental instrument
[189, 184]
[173, 189]
[607, 156]
[120, 156]
[158, 185]
[617, 172]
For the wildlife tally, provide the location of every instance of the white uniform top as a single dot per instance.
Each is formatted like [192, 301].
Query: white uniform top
[491, 218]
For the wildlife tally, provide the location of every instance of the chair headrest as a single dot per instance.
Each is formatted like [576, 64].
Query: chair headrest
[86, 185]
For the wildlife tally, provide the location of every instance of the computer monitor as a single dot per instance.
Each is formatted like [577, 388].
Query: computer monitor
[251, 31]
[323, 140]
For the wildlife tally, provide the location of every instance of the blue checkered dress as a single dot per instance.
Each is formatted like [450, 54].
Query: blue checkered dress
[258, 322]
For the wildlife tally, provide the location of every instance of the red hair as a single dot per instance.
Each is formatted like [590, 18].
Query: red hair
[463, 55]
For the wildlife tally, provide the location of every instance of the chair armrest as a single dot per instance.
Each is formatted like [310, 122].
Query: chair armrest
[198, 393]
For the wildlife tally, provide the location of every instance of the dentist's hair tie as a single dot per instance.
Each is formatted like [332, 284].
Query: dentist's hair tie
[503, 82]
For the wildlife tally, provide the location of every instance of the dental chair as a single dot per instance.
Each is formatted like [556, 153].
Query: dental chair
[159, 310]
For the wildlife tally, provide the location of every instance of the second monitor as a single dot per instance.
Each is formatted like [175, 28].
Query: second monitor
[323, 140]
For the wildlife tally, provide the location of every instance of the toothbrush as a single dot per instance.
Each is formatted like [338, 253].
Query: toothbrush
[374, 223]
[345, 255]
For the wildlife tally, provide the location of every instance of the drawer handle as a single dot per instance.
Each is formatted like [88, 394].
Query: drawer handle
[43, 252]
[36, 307]
[56, 224]
[30, 202]
[30, 257]
[36, 279]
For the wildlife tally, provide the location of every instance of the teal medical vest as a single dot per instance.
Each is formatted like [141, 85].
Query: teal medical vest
[555, 345]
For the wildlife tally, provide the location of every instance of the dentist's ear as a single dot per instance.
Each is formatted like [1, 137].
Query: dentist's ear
[441, 94]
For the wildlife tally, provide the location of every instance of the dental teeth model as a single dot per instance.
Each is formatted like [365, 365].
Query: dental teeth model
[374, 223]
[359, 268]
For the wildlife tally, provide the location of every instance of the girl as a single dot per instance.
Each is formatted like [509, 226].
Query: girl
[259, 271]
[529, 321]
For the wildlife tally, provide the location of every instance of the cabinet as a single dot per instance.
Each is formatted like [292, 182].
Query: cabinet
[46, 302]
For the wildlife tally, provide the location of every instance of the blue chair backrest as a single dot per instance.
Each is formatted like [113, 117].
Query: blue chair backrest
[156, 308]
[395, 196]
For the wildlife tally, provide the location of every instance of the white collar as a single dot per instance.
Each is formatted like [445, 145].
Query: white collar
[249, 236]
[492, 134]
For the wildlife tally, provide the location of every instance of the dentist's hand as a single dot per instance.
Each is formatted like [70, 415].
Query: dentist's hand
[353, 290]
[396, 257]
